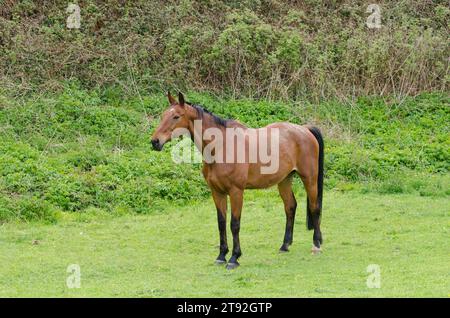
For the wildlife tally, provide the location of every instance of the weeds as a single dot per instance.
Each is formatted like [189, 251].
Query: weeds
[265, 49]
[83, 150]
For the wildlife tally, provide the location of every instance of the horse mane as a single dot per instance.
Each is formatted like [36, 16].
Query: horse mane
[218, 120]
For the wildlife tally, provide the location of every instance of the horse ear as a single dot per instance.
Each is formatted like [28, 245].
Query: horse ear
[172, 100]
[180, 99]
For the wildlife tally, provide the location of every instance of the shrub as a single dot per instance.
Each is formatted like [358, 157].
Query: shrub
[316, 49]
[371, 145]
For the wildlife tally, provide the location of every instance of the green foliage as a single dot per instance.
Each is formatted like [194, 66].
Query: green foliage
[26, 208]
[85, 150]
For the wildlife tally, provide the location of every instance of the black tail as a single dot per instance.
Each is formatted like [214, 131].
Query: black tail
[316, 132]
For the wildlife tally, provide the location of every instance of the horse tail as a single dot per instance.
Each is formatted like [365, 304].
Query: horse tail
[318, 135]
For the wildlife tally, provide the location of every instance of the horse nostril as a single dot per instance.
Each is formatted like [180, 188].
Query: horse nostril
[156, 145]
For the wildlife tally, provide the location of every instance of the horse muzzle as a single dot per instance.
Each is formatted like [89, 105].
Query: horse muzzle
[157, 145]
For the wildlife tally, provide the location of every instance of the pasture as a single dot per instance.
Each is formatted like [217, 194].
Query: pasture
[171, 253]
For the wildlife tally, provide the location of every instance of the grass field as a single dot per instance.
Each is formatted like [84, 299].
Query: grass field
[171, 253]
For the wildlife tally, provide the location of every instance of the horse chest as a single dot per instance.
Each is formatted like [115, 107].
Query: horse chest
[209, 175]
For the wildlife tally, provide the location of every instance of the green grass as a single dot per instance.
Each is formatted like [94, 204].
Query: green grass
[171, 253]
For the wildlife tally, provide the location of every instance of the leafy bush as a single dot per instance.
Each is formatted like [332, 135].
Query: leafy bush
[90, 151]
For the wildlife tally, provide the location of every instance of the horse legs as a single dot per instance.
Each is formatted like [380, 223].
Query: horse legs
[236, 200]
[220, 200]
[313, 211]
[290, 205]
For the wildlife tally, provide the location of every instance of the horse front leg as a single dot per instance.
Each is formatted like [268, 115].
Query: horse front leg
[220, 200]
[236, 200]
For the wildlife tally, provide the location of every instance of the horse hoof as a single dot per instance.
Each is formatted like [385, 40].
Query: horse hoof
[232, 265]
[316, 250]
[284, 249]
[220, 262]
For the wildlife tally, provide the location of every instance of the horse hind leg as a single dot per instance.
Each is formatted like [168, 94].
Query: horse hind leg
[290, 206]
[313, 211]
[236, 200]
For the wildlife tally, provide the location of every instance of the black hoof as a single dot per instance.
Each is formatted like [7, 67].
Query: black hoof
[232, 265]
[220, 262]
[284, 249]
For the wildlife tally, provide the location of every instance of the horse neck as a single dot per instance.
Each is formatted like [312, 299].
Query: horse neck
[197, 131]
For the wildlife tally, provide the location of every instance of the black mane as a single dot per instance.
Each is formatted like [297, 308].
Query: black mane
[201, 110]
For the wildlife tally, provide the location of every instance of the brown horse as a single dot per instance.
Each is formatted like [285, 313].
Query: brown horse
[300, 151]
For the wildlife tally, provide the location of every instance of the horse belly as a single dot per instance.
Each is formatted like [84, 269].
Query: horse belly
[258, 180]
